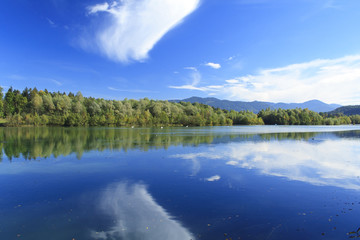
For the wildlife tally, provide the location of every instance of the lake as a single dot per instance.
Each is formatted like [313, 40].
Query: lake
[258, 182]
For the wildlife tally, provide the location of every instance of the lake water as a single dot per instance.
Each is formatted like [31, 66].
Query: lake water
[268, 182]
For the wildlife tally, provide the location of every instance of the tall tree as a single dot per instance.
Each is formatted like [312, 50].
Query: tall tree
[9, 102]
[1, 102]
[20, 102]
[37, 103]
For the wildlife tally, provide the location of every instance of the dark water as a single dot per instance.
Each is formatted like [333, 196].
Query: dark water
[180, 183]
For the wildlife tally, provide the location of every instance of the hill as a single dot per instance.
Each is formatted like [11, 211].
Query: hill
[347, 110]
[256, 106]
[313, 105]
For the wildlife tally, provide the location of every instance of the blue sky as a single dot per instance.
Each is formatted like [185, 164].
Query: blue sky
[266, 50]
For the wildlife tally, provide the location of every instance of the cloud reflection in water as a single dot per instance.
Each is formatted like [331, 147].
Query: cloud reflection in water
[326, 163]
[137, 216]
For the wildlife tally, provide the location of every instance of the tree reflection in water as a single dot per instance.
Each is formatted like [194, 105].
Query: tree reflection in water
[43, 142]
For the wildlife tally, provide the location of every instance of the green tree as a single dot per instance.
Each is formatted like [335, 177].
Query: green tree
[1, 102]
[36, 103]
[48, 103]
[20, 102]
[9, 102]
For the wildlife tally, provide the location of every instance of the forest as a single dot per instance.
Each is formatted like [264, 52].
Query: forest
[32, 107]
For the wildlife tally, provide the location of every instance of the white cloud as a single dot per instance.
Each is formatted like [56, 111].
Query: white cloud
[329, 80]
[232, 163]
[213, 65]
[136, 215]
[213, 178]
[232, 81]
[99, 8]
[136, 26]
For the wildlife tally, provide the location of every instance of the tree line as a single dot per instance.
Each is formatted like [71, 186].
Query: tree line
[34, 107]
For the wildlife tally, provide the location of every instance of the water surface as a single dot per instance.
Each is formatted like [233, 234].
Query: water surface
[268, 182]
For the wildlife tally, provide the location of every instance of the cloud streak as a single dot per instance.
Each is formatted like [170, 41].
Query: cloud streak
[56, 82]
[329, 80]
[195, 78]
[135, 26]
[52, 24]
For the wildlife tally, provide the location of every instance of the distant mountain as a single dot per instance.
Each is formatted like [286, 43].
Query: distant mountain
[313, 105]
[256, 106]
[347, 110]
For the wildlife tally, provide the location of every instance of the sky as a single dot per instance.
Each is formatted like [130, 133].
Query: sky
[243, 50]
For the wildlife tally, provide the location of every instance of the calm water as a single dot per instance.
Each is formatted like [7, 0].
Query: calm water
[180, 183]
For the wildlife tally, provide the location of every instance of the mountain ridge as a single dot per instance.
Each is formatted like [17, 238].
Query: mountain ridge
[256, 106]
[347, 110]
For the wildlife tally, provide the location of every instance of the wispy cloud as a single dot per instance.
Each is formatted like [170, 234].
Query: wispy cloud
[195, 78]
[331, 4]
[329, 80]
[46, 79]
[113, 89]
[191, 68]
[135, 26]
[27, 78]
[213, 65]
[56, 82]
[16, 77]
[52, 24]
